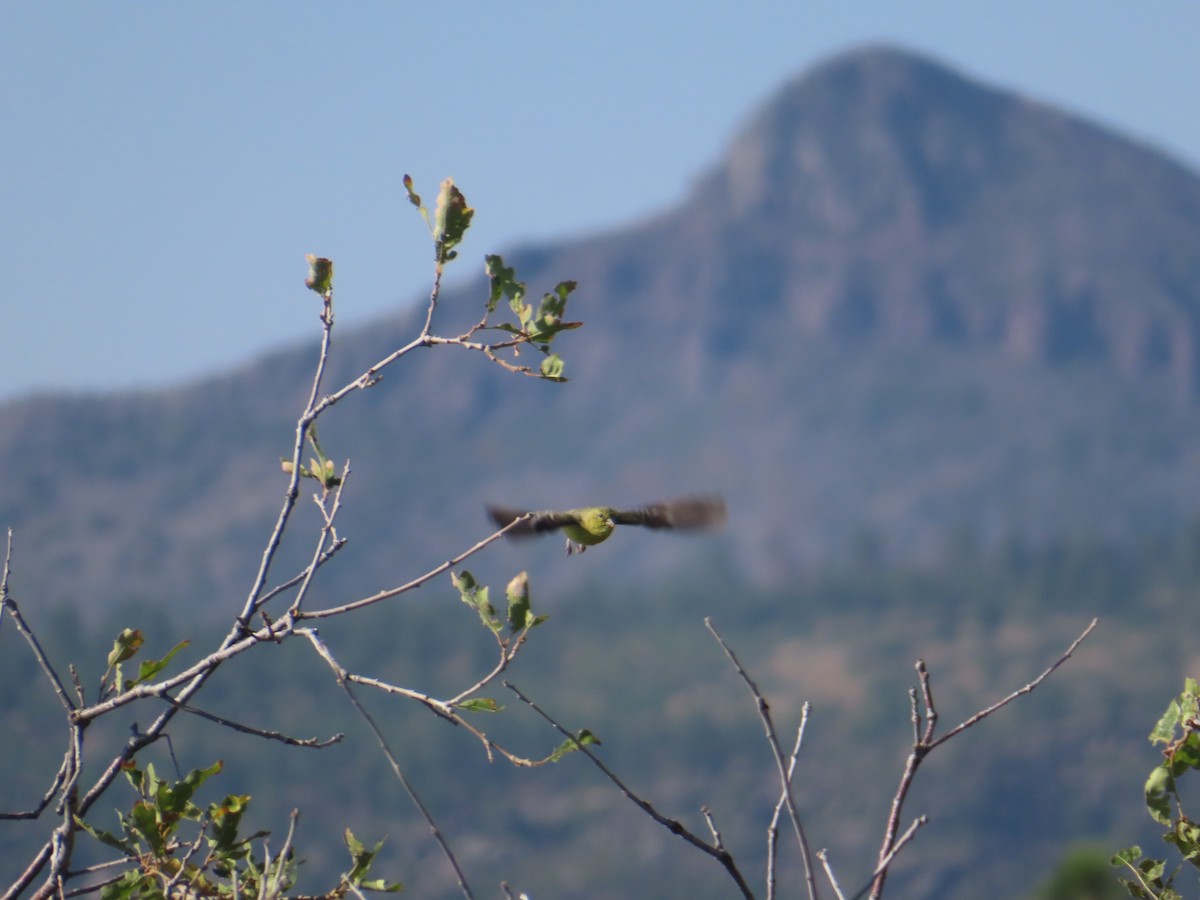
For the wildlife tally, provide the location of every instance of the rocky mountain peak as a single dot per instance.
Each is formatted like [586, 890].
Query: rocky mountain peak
[903, 200]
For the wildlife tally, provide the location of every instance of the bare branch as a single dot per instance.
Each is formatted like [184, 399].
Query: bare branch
[55, 784]
[908, 835]
[773, 827]
[298, 577]
[924, 742]
[276, 889]
[327, 534]
[370, 375]
[675, 827]
[489, 350]
[411, 585]
[312, 743]
[984, 713]
[712, 828]
[293, 487]
[182, 871]
[917, 824]
[837, 888]
[509, 648]
[764, 713]
[343, 682]
[7, 602]
[433, 299]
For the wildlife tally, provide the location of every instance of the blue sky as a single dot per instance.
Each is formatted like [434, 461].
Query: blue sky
[166, 166]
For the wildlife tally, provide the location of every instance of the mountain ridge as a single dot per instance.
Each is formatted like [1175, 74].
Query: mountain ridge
[899, 305]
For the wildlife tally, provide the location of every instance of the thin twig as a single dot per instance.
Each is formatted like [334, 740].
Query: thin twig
[488, 350]
[96, 886]
[55, 784]
[312, 743]
[274, 592]
[182, 871]
[509, 648]
[984, 713]
[712, 827]
[918, 823]
[445, 710]
[340, 674]
[434, 292]
[675, 827]
[369, 377]
[924, 742]
[293, 487]
[909, 834]
[411, 585]
[7, 602]
[837, 888]
[326, 534]
[764, 714]
[773, 827]
[276, 887]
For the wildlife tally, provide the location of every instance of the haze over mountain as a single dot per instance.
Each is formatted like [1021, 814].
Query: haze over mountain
[903, 304]
[904, 312]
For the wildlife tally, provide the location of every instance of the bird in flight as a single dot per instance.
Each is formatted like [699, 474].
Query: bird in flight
[590, 525]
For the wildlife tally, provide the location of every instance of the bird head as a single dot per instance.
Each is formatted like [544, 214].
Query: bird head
[597, 521]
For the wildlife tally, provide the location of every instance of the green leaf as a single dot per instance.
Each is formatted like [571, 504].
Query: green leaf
[131, 885]
[106, 837]
[1180, 711]
[361, 857]
[520, 613]
[1164, 731]
[552, 368]
[1186, 836]
[476, 596]
[542, 331]
[152, 667]
[197, 777]
[226, 818]
[1186, 755]
[143, 819]
[1159, 789]
[1152, 869]
[566, 747]
[128, 643]
[452, 218]
[518, 602]
[135, 776]
[1127, 856]
[503, 284]
[328, 475]
[382, 886]
[480, 704]
[320, 274]
[549, 319]
[413, 197]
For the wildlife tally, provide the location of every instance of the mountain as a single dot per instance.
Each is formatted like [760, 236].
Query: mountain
[895, 198]
[902, 304]
[903, 315]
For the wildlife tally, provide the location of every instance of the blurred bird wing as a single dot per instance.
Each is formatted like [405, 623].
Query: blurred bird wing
[689, 513]
[539, 523]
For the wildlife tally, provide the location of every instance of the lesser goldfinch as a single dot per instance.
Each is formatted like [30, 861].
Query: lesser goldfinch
[592, 524]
